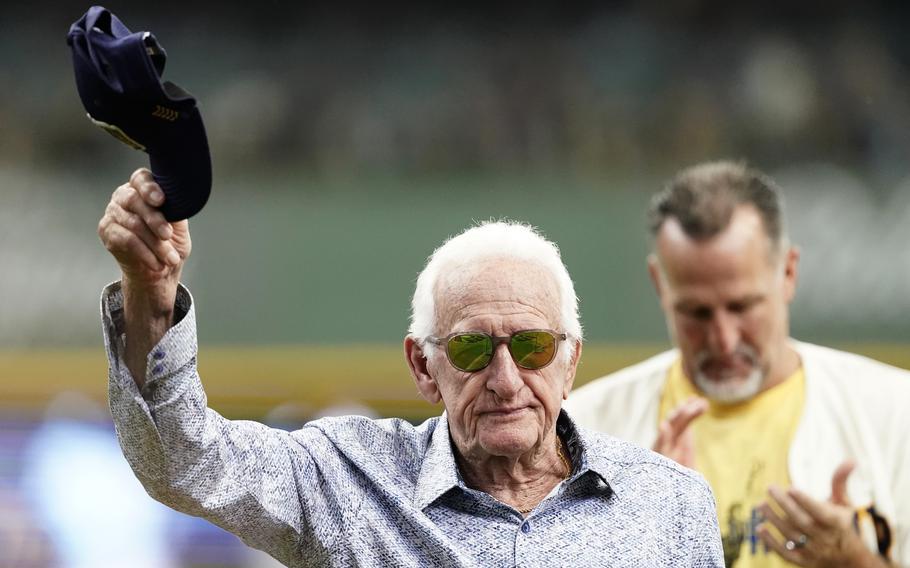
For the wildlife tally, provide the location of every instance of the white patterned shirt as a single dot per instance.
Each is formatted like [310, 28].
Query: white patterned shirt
[352, 491]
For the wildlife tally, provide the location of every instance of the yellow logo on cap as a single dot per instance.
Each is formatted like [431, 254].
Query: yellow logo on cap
[117, 133]
[165, 113]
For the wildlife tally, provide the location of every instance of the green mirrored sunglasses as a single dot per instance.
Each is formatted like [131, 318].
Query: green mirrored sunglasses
[471, 351]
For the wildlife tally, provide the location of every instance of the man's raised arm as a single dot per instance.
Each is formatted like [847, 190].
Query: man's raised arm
[151, 253]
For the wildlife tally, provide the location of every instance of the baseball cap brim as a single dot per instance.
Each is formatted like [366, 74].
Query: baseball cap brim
[118, 76]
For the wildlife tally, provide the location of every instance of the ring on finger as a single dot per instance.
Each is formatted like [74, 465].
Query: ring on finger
[800, 542]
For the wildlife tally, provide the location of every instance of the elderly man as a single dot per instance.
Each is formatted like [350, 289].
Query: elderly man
[804, 446]
[502, 478]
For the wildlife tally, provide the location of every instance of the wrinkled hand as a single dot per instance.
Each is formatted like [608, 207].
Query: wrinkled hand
[150, 251]
[675, 439]
[816, 533]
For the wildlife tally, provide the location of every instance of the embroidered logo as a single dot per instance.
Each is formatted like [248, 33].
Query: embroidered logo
[166, 113]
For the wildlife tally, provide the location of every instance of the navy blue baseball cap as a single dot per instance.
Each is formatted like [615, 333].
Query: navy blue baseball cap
[118, 75]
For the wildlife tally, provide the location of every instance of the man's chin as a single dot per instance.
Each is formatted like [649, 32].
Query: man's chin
[506, 442]
[729, 390]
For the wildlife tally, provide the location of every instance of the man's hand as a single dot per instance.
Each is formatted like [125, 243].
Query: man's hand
[675, 439]
[151, 253]
[149, 250]
[816, 533]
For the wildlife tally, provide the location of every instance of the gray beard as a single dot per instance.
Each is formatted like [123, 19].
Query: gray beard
[730, 390]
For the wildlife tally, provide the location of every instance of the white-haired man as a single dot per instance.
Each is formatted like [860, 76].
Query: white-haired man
[753, 410]
[502, 478]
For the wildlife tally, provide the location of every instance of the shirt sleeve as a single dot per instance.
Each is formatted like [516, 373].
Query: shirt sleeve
[708, 550]
[260, 483]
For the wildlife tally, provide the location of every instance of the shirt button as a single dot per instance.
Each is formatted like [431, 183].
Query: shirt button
[526, 527]
[157, 369]
[159, 355]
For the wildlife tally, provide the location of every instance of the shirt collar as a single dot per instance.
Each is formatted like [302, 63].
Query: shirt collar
[439, 472]
[585, 459]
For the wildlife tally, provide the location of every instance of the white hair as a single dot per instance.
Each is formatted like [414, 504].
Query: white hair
[492, 239]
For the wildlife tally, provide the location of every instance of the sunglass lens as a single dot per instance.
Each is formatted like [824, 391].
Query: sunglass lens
[533, 349]
[470, 351]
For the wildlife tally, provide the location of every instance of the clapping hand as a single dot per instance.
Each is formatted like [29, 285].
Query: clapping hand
[816, 533]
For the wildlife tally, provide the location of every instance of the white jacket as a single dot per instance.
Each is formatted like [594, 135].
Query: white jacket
[855, 408]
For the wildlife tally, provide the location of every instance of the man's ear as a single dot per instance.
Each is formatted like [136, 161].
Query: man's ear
[791, 273]
[570, 372]
[417, 363]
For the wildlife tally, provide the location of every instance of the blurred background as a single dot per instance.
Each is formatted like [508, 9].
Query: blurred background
[348, 141]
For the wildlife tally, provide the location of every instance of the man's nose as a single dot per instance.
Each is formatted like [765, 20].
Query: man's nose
[504, 376]
[723, 333]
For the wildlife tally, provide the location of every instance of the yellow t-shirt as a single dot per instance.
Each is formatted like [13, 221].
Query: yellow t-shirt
[741, 449]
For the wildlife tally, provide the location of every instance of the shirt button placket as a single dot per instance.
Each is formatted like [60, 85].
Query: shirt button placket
[523, 549]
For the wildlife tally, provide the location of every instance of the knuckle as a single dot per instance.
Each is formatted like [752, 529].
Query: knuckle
[131, 193]
[125, 197]
[114, 241]
[120, 192]
[140, 175]
[133, 222]
[155, 219]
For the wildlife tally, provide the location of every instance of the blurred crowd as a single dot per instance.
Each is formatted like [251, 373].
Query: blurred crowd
[588, 89]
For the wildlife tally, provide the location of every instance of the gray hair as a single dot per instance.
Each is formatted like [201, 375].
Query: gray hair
[703, 198]
[492, 239]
